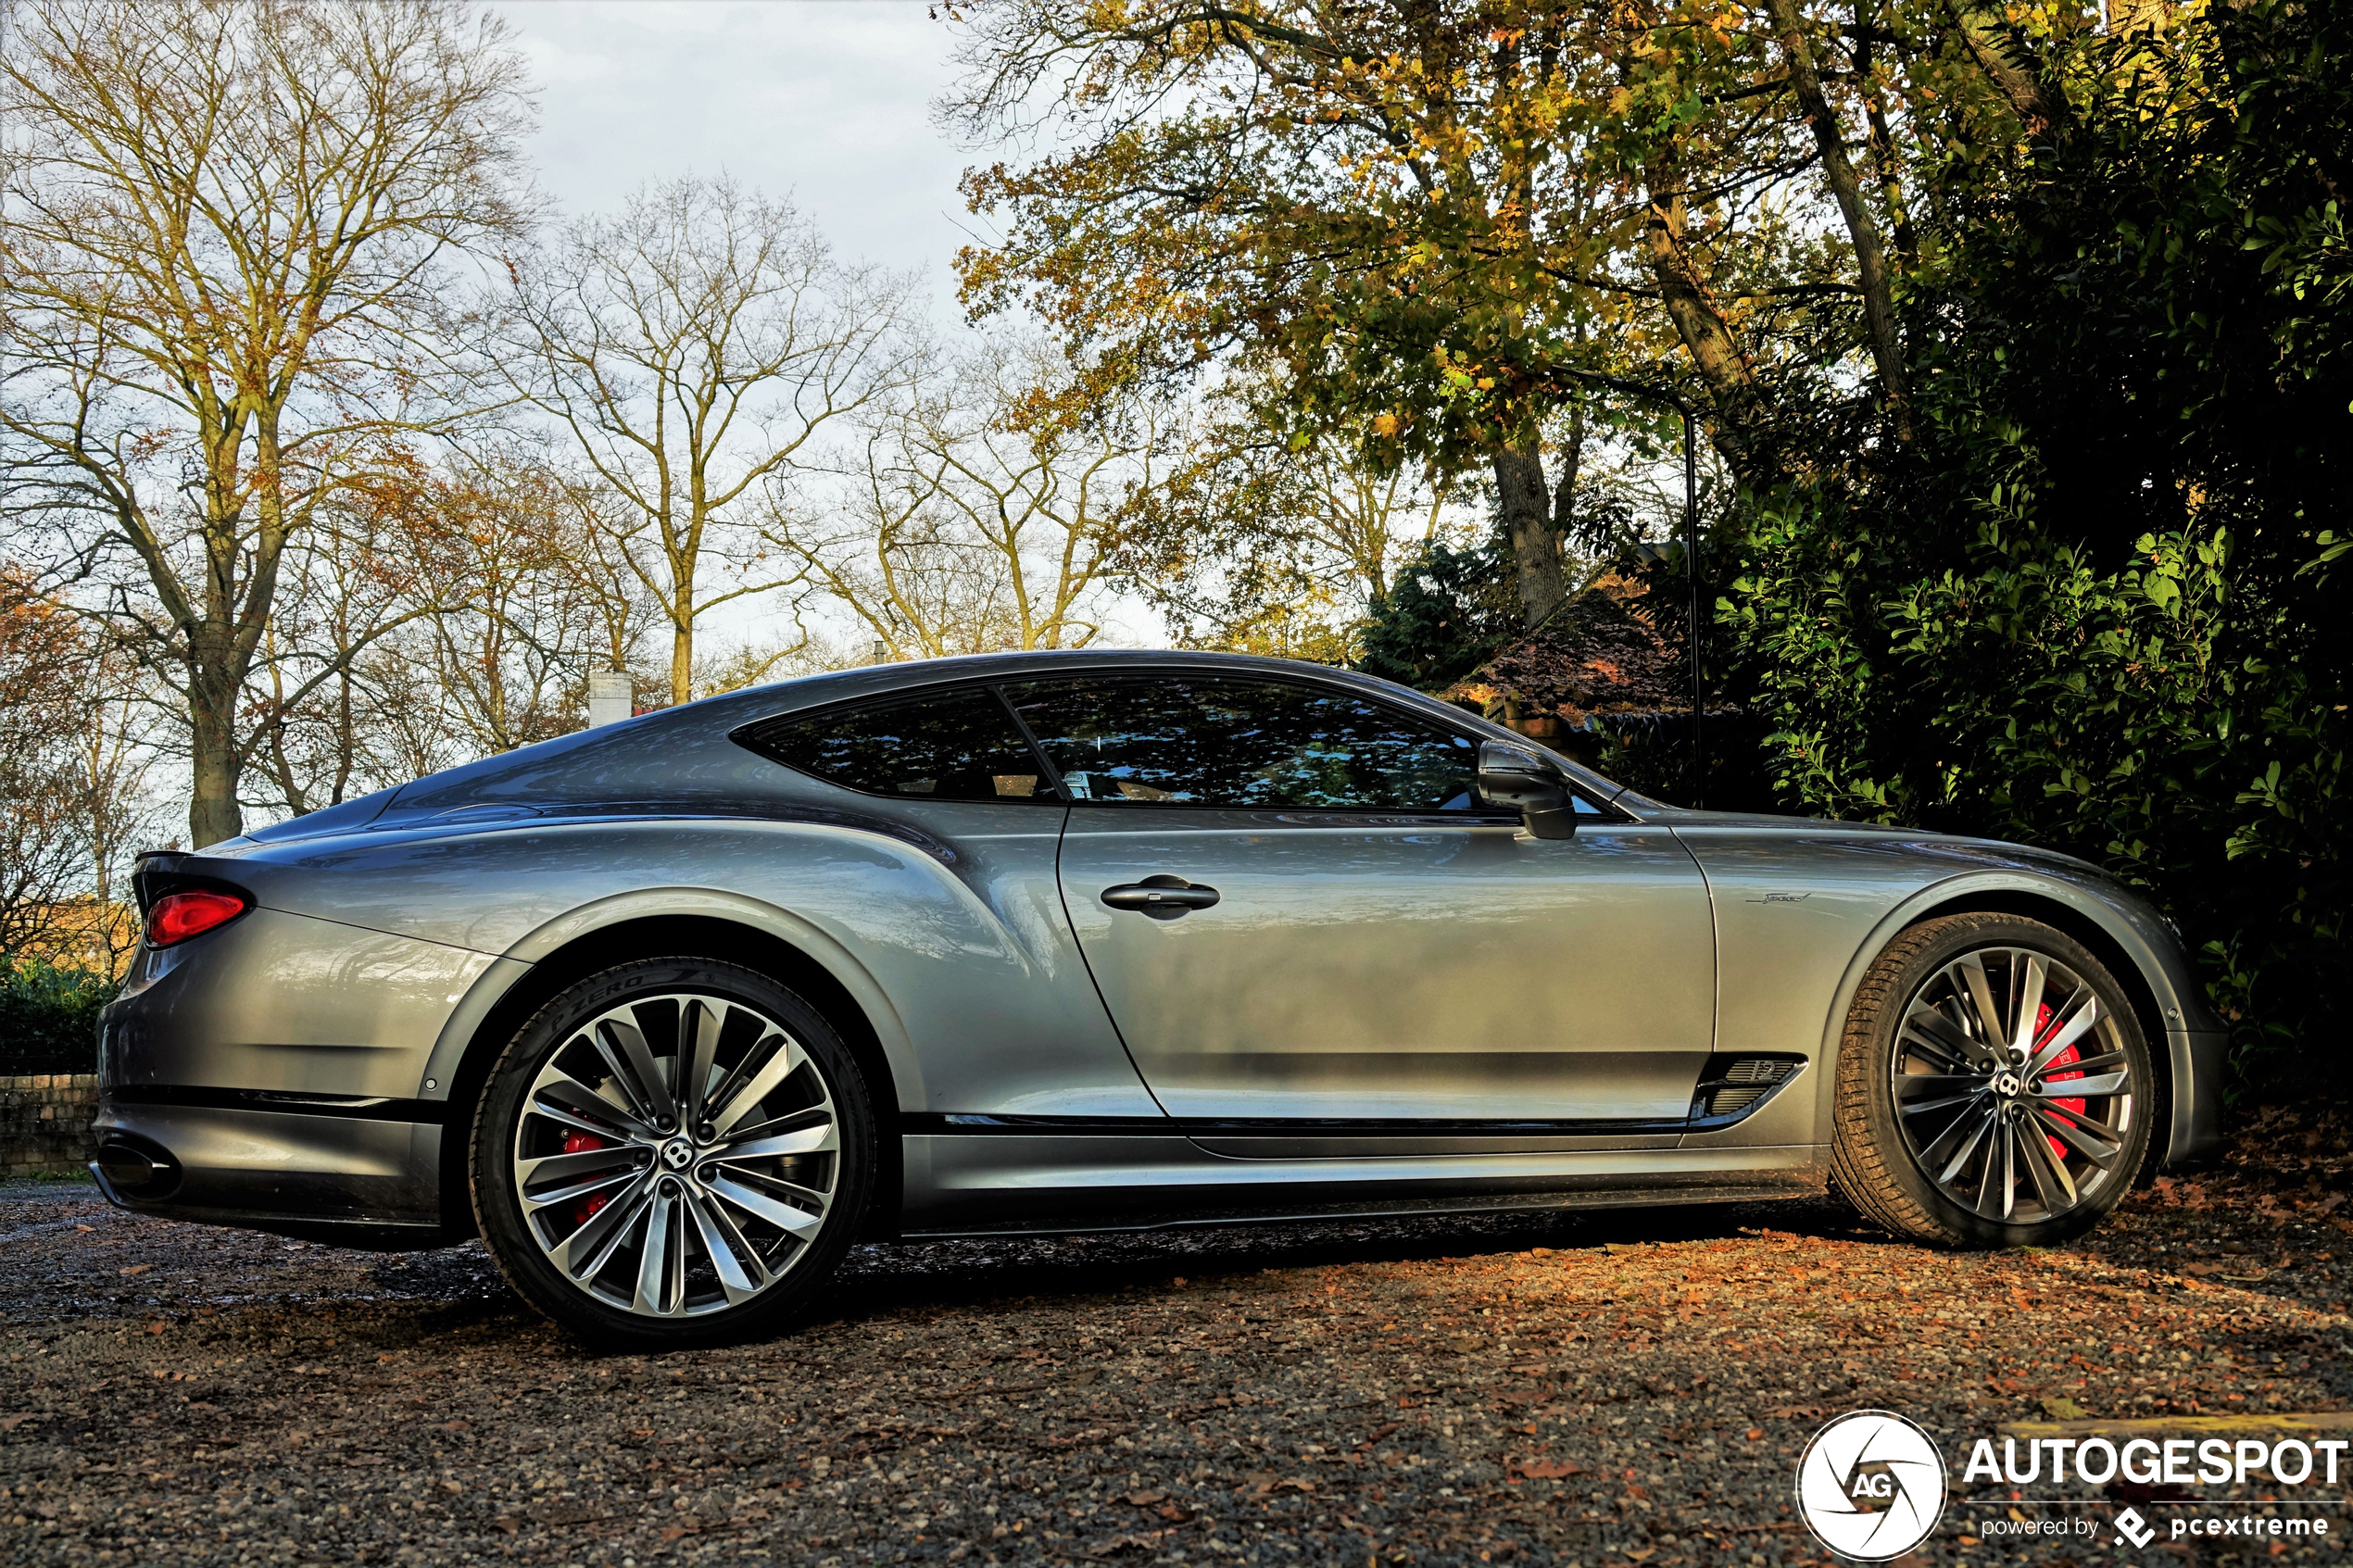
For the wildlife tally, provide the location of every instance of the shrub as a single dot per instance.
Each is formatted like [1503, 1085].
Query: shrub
[49, 1017]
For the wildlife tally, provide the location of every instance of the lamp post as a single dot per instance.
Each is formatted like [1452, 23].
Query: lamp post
[1690, 568]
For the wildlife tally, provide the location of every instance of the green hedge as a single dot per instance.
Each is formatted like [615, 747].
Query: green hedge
[49, 1017]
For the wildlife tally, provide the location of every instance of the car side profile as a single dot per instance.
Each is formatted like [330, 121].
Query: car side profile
[672, 1012]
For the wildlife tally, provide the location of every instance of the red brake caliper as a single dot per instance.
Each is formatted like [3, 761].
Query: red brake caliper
[576, 1142]
[2042, 1032]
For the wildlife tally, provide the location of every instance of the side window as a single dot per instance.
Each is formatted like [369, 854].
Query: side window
[1239, 743]
[948, 745]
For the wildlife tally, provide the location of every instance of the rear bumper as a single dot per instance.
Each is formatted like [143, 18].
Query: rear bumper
[268, 1074]
[353, 1180]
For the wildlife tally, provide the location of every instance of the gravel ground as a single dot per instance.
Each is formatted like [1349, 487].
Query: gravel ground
[1632, 1386]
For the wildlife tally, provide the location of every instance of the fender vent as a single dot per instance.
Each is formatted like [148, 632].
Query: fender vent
[1731, 1087]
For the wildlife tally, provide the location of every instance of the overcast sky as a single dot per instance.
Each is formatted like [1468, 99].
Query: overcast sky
[827, 100]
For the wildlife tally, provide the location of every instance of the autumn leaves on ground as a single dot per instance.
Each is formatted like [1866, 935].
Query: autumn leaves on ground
[1595, 1387]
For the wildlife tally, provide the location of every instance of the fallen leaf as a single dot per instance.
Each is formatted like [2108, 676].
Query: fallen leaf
[2057, 1407]
[1549, 1469]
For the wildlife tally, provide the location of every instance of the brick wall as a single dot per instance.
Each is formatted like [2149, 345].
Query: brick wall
[44, 1122]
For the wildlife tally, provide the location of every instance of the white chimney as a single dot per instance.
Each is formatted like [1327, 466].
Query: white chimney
[609, 697]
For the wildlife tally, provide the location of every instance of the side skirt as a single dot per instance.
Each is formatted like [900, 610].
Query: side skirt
[992, 1184]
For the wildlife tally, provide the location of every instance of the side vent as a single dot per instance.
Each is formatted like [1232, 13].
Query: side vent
[1731, 1087]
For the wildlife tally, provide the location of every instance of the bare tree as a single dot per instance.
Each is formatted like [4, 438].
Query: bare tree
[513, 665]
[984, 505]
[228, 230]
[694, 345]
[45, 654]
[74, 756]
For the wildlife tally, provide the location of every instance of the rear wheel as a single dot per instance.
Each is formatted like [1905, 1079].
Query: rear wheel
[1994, 1086]
[671, 1152]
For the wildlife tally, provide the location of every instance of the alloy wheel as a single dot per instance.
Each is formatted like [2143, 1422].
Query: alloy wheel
[677, 1155]
[2013, 1086]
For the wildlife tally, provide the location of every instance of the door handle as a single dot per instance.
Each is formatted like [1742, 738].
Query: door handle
[1162, 897]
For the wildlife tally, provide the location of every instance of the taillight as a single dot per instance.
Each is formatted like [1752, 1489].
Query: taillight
[178, 916]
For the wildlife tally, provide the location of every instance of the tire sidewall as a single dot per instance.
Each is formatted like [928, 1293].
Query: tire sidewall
[1966, 934]
[490, 1154]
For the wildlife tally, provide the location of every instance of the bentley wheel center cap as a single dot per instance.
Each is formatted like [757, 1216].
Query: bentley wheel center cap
[678, 1154]
[2007, 1086]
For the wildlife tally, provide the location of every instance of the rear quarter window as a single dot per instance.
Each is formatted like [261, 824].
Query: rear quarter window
[943, 745]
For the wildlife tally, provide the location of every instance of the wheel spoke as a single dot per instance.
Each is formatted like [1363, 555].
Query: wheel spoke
[2091, 1142]
[809, 1140]
[2052, 1184]
[2089, 1087]
[727, 1249]
[1981, 991]
[2005, 1167]
[654, 1294]
[783, 1216]
[587, 1251]
[1976, 1127]
[644, 1081]
[1911, 1085]
[698, 1024]
[780, 1064]
[2028, 986]
[538, 1198]
[791, 1122]
[2068, 1033]
[1933, 1034]
[559, 1166]
[566, 1100]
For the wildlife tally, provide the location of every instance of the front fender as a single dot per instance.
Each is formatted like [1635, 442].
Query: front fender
[2194, 1043]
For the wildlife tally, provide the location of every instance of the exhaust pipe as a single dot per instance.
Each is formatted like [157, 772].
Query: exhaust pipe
[135, 1170]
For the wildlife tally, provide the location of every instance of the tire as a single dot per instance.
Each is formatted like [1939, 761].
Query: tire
[639, 1215]
[1943, 1133]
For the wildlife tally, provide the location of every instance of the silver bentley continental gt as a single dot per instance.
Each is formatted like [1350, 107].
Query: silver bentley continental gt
[672, 1012]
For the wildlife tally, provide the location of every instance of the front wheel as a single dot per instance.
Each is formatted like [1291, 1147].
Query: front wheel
[1995, 1089]
[671, 1152]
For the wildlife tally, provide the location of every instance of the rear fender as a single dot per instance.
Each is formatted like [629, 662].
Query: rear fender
[465, 1024]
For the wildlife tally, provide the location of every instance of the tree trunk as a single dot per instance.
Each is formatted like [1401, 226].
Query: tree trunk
[1723, 368]
[1882, 142]
[682, 662]
[1564, 494]
[1527, 523]
[1862, 225]
[1990, 42]
[214, 766]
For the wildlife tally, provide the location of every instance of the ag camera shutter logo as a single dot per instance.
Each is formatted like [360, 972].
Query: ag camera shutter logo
[1871, 1485]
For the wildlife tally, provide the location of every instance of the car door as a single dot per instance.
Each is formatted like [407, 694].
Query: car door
[996, 998]
[1305, 926]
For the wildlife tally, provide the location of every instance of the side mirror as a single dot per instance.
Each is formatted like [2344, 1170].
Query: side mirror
[1518, 780]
